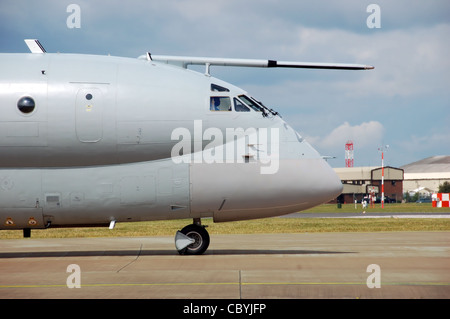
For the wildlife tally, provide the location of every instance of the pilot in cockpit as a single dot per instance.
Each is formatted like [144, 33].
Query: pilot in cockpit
[215, 102]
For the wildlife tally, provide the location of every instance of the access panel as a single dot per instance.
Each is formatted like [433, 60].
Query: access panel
[89, 115]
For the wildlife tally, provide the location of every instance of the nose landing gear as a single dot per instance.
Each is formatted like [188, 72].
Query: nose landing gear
[192, 239]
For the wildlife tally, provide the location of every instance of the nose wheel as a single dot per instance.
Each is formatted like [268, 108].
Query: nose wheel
[192, 240]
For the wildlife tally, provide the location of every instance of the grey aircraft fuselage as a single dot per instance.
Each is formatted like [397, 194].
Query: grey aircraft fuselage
[100, 139]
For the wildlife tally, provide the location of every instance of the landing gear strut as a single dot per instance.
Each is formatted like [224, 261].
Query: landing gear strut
[192, 239]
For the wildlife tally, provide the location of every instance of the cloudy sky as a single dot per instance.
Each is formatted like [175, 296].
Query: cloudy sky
[404, 102]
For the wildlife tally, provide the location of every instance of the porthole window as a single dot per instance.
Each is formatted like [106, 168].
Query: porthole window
[26, 105]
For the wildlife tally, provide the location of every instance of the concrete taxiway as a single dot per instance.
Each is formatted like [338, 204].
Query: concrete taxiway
[305, 265]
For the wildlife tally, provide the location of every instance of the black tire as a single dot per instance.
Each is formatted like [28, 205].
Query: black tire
[201, 237]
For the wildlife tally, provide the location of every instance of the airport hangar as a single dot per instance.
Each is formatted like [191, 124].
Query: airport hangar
[423, 176]
[426, 175]
[359, 182]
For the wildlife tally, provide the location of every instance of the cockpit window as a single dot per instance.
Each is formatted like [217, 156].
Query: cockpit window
[251, 103]
[220, 103]
[239, 106]
[218, 88]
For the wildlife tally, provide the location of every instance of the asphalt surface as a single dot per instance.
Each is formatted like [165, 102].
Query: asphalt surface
[306, 265]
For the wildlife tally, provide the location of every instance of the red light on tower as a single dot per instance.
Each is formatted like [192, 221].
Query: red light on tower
[349, 154]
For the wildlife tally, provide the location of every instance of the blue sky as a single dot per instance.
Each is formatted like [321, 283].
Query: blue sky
[403, 103]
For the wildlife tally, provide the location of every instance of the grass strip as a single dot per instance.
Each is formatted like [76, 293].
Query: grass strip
[257, 226]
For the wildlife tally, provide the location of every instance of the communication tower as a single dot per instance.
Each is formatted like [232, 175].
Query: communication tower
[349, 154]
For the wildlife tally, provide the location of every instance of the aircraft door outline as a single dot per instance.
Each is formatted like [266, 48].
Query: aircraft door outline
[89, 115]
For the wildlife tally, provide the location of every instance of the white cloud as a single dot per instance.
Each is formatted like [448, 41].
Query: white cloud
[367, 137]
[362, 135]
[407, 62]
[437, 141]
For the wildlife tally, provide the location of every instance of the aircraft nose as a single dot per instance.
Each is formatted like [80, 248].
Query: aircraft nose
[332, 185]
[318, 183]
[238, 192]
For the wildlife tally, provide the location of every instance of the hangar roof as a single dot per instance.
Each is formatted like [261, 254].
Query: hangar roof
[434, 164]
[354, 173]
[368, 173]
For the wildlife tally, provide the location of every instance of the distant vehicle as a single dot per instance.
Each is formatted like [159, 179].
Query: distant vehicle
[389, 200]
[424, 200]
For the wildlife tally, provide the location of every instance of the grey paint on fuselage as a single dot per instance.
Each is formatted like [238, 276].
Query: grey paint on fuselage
[98, 147]
[138, 106]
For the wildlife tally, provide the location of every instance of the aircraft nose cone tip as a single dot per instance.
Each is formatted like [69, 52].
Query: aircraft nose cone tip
[337, 184]
[333, 185]
[319, 184]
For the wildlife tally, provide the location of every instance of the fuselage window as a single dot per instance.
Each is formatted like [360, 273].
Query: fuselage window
[26, 105]
[220, 103]
[250, 103]
[239, 106]
[218, 88]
